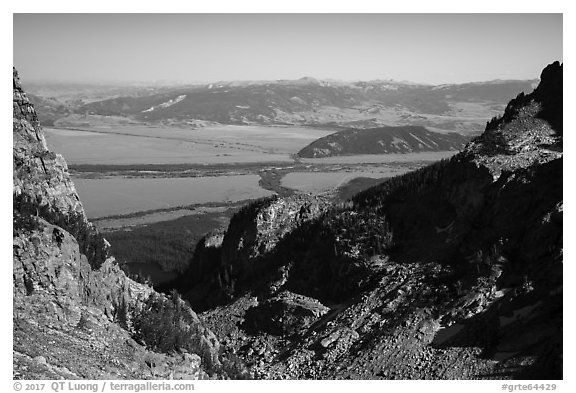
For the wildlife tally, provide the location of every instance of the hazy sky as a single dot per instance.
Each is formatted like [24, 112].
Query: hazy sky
[429, 48]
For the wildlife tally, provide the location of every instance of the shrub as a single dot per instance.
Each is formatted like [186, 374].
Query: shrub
[167, 324]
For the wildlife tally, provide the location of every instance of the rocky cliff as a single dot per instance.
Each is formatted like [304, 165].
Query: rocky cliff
[226, 263]
[451, 271]
[75, 314]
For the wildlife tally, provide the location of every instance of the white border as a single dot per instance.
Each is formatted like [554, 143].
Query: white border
[260, 6]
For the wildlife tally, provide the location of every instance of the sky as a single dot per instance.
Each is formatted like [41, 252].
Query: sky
[423, 48]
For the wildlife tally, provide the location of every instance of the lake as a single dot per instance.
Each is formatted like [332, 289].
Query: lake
[316, 182]
[119, 195]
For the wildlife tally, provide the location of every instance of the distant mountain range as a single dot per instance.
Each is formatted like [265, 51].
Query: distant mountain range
[384, 140]
[50, 108]
[310, 102]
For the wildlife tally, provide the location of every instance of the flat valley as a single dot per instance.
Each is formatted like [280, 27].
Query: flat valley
[131, 175]
[128, 169]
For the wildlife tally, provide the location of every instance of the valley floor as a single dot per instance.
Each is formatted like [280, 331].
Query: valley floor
[155, 191]
[153, 215]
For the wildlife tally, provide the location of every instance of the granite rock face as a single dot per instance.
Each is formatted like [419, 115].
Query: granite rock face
[285, 314]
[226, 263]
[41, 184]
[69, 293]
[528, 132]
[256, 230]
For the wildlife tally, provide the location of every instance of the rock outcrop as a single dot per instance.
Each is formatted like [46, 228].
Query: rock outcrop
[256, 230]
[226, 263]
[286, 314]
[74, 307]
[42, 186]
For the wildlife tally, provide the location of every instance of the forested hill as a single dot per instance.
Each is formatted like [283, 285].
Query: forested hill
[383, 140]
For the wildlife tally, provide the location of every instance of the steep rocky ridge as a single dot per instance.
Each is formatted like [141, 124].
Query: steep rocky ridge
[451, 271]
[75, 313]
[227, 262]
[42, 186]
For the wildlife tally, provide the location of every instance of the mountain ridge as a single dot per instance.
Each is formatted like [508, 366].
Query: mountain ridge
[383, 140]
[453, 271]
[461, 108]
[75, 313]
